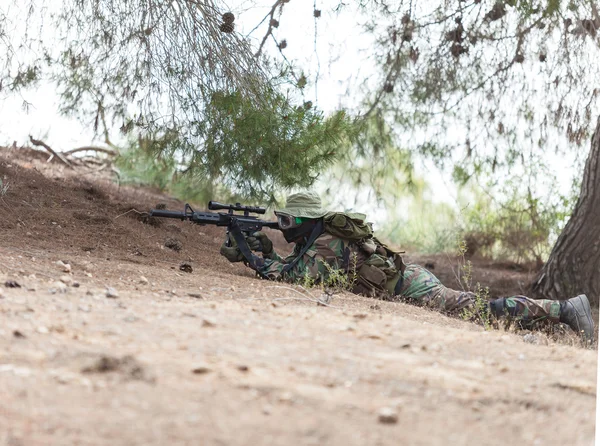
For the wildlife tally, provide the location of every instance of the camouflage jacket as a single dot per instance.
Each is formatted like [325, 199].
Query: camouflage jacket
[325, 254]
[368, 273]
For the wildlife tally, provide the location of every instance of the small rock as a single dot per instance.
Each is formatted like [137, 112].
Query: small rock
[503, 369]
[201, 369]
[144, 281]
[67, 280]
[42, 330]
[186, 268]
[243, 368]
[67, 268]
[286, 397]
[530, 338]
[111, 293]
[12, 284]
[58, 287]
[18, 334]
[208, 322]
[375, 307]
[75, 285]
[267, 409]
[196, 295]
[360, 315]
[387, 416]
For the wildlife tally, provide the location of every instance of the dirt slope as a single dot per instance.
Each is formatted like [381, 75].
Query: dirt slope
[218, 357]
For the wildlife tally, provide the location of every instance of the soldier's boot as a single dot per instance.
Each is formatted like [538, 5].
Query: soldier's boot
[576, 313]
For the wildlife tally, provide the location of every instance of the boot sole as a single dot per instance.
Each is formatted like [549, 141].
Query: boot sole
[588, 314]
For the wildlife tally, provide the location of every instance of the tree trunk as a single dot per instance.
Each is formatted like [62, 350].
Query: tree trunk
[574, 264]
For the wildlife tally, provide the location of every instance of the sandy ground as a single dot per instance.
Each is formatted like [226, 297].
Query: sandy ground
[127, 349]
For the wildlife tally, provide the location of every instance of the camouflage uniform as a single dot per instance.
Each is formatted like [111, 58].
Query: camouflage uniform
[327, 249]
[419, 285]
[423, 287]
[379, 270]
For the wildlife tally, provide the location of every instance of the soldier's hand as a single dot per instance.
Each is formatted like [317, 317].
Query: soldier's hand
[260, 242]
[231, 253]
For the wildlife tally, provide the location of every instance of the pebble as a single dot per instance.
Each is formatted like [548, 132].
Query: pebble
[12, 284]
[387, 415]
[208, 322]
[66, 267]
[201, 369]
[144, 281]
[186, 268]
[111, 293]
[243, 368]
[67, 280]
[530, 338]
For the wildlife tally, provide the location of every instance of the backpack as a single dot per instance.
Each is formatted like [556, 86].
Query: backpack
[371, 263]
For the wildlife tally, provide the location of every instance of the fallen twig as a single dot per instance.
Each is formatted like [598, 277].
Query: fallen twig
[38, 143]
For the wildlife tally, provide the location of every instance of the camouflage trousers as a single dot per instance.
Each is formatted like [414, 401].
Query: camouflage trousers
[422, 287]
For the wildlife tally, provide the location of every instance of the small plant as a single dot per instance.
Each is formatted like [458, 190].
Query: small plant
[479, 310]
[338, 280]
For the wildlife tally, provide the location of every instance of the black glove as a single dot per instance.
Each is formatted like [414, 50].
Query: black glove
[231, 253]
[260, 242]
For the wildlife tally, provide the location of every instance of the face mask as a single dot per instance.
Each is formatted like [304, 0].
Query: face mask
[295, 235]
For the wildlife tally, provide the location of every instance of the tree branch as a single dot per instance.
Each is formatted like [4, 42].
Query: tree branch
[38, 143]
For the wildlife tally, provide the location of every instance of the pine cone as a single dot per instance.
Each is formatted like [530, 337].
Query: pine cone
[317, 13]
[282, 44]
[457, 49]
[414, 54]
[274, 23]
[388, 87]
[308, 105]
[496, 13]
[519, 58]
[228, 17]
[226, 28]
[542, 57]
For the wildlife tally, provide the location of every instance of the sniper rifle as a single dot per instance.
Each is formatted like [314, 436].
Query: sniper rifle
[239, 226]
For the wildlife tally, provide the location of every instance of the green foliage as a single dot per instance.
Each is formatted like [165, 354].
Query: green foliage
[240, 149]
[254, 150]
[517, 225]
[339, 280]
[419, 224]
[479, 310]
[509, 224]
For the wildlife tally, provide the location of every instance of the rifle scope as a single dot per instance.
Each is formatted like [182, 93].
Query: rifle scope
[216, 206]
